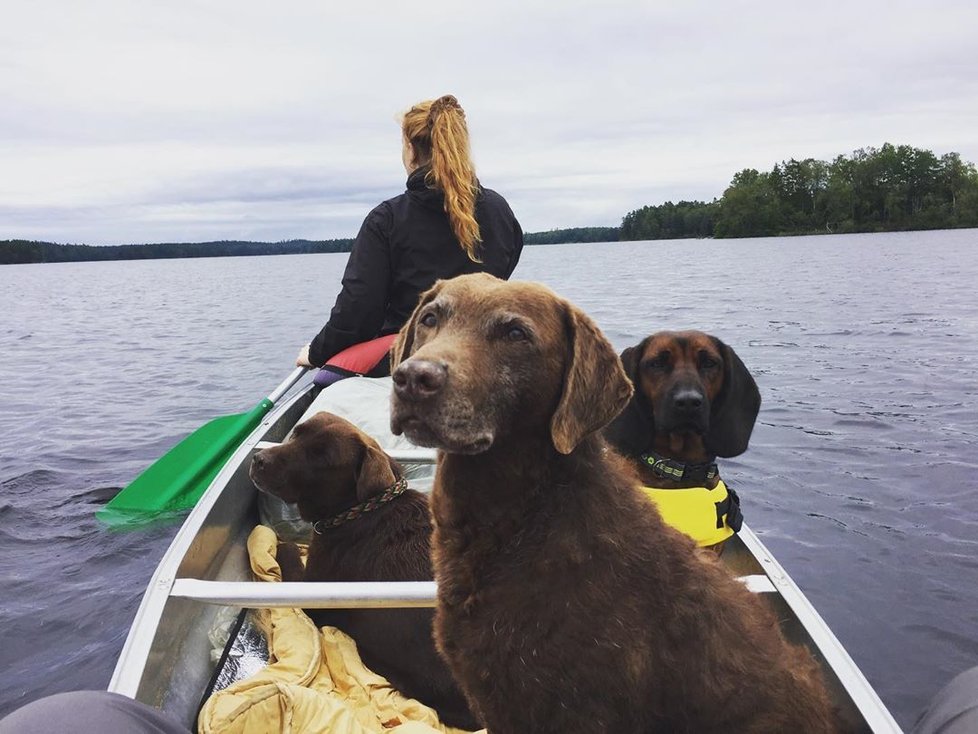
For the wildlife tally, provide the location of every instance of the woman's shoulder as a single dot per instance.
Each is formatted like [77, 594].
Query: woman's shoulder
[491, 206]
[492, 198]
[492, 194]
[382, 215]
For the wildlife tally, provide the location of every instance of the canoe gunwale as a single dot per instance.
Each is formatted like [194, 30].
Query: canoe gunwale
[863, 695]
[133, 658]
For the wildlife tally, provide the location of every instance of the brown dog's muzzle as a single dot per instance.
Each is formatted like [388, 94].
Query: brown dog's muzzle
[686, 407]
[259, 465]
[266, 468]
[417, 380]
[433, 410]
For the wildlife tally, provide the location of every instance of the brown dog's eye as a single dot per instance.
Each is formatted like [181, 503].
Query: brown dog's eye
[516, 334]
[659, 363]
[707, 362]
[429, 320]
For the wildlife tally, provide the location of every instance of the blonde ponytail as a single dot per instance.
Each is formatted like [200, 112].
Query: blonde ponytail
[438, 134]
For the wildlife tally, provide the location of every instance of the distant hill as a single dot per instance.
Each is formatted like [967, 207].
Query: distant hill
[574, 234]
[23, 251]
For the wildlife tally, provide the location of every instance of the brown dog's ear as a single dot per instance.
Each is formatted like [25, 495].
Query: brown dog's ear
[631, 431]
[596, 387]
[734, 411]
[630, 358]
[375, 473]
[404, 344]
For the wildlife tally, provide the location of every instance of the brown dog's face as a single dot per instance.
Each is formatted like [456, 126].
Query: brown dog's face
[484, 361]
[694, 398]
[681, 374]
[327, 465]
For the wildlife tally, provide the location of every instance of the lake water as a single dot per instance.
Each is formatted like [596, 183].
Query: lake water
[860, 477]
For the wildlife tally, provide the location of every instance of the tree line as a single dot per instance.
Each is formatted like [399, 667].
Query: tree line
[884, 189]
[572, 234]
[24, 251]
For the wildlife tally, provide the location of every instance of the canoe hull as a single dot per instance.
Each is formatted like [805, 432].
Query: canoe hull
[204, 580]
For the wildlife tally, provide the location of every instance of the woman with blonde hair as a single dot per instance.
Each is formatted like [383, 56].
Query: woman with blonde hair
[445, 224]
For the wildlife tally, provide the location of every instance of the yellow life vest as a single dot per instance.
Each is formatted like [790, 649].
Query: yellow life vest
[699, 512]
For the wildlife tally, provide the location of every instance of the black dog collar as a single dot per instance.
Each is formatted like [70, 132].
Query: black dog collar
[676, 470]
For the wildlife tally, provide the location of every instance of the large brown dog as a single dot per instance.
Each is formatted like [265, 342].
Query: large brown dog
[694, 401]
[565, 604]
[368, 528]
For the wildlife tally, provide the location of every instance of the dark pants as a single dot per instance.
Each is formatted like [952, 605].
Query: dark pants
[88, 712]
[954, 710]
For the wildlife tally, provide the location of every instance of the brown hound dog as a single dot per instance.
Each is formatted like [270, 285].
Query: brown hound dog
[694, 401]
[369, 527]
[565, 604]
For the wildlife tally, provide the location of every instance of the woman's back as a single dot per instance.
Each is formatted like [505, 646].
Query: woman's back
[444, 225]
[424, 249]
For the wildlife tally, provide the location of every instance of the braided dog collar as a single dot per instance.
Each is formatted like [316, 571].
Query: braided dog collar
[354, 512]
[670, 469]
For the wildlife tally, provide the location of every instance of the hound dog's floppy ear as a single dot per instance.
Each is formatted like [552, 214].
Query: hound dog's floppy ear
[733, 412]
[630, 433]
[404, 344]
[375, 474]
[595, 385]
[630, 358]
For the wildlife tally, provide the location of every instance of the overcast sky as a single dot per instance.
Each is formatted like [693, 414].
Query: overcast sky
[137, 121]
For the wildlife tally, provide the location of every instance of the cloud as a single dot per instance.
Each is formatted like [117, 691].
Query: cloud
[128, 122]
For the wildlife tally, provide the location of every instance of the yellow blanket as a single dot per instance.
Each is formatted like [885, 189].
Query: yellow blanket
[315, 681]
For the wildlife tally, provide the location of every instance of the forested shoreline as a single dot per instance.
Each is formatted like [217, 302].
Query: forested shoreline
[573, 234]
[24, 251]
[889, 189]
[886, 189]
[14, 252]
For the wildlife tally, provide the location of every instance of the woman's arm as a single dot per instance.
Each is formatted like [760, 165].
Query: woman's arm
[517, 247]
[361, 305]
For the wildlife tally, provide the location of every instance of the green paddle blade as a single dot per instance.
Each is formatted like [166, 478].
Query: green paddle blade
[178, 478]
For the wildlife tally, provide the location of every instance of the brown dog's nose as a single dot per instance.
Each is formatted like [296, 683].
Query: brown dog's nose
[419, 379]
[258, 461]
[688, 401]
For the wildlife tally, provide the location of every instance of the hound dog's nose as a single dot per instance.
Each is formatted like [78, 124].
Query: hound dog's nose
[688, 401]
[419, 379]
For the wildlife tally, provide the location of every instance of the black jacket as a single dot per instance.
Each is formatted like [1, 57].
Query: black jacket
[405, 244]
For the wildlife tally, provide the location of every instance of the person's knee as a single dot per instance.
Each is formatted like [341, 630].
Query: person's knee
[88, 711]
[954, 710]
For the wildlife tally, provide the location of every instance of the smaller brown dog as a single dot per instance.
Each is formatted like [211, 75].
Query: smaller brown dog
[369, 527]
[694, 400]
